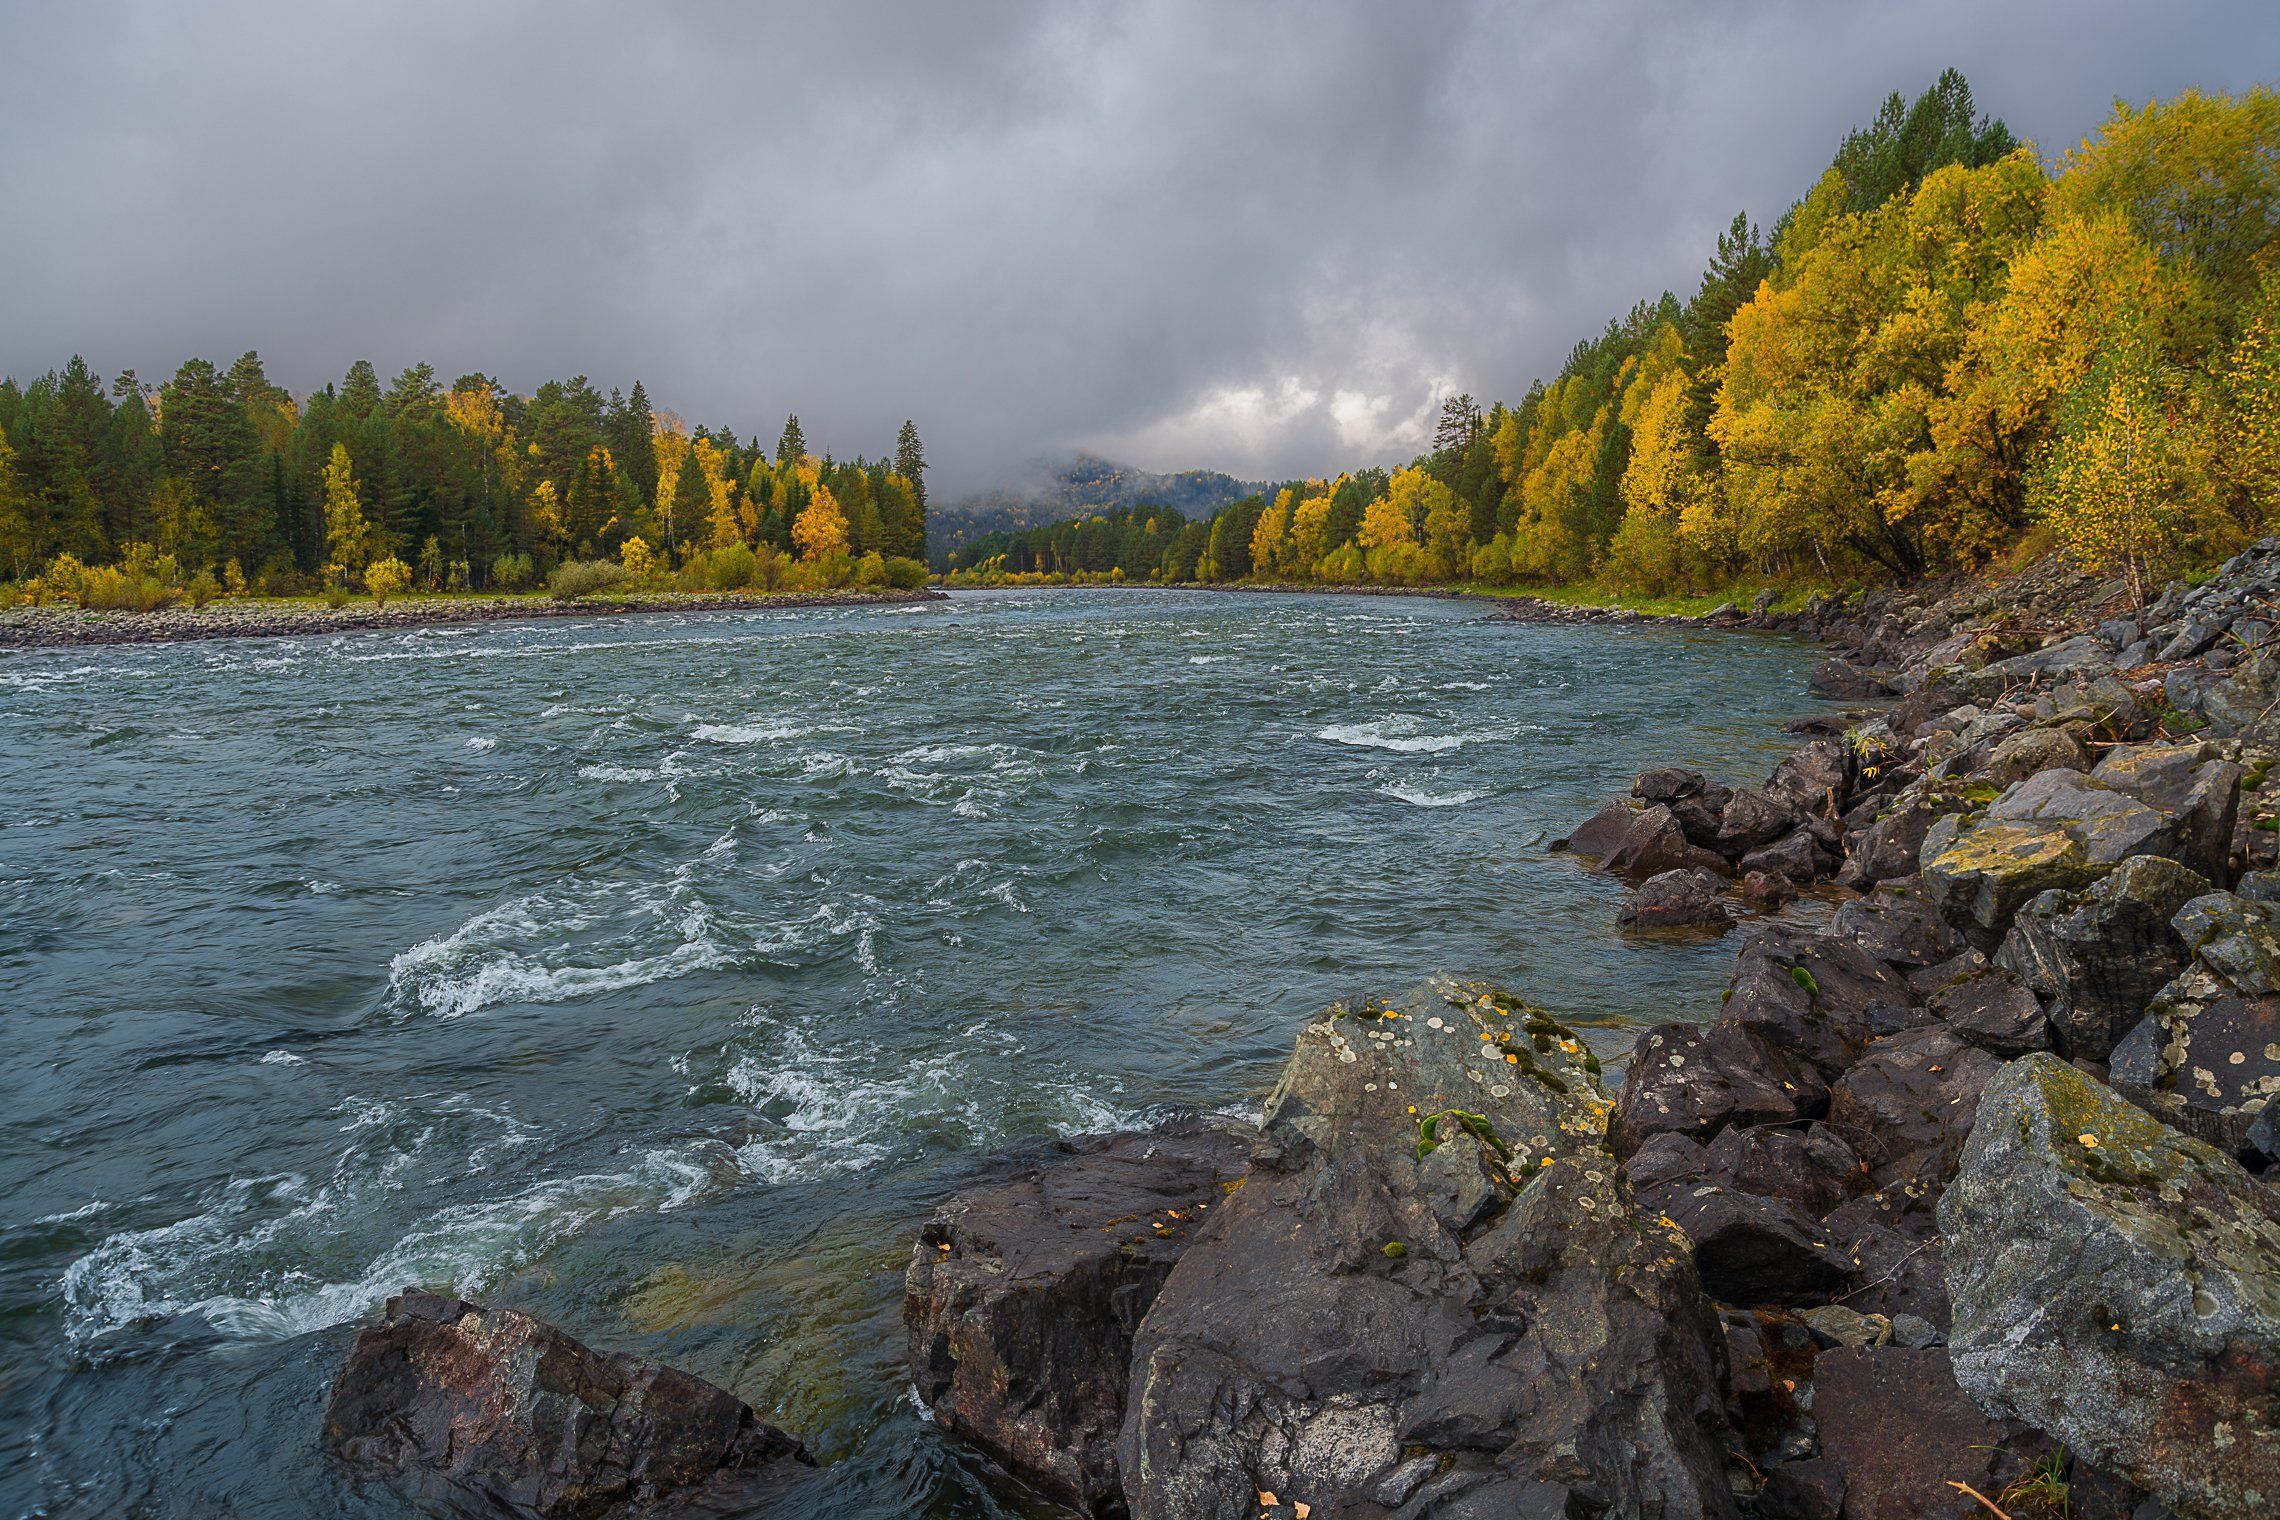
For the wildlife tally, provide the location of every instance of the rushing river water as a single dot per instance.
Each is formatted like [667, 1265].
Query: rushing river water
[657, 975]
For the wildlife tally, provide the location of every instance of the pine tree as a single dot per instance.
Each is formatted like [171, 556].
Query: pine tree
[791, 448]
[1459, 425]
[910, 460]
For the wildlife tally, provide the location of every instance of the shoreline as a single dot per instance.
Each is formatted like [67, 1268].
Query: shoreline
[31, 628]
[1507, 606]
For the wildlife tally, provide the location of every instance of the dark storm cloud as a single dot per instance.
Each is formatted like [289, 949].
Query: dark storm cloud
[1263, 238]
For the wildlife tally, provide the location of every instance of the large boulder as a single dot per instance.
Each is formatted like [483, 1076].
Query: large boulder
[1431, 1295]
[1890, 845]
[2206, 1057]
[2109, 824]
[2117, 1285]
[1902, 1434]
[489, 1410]
[1900, 925]
[1024, 1292]
[1981, 873]
[1994, 1010]
[1751, 1250]
[1820, 997]
[2096, 957]
[1814, 779]
[2190, 783]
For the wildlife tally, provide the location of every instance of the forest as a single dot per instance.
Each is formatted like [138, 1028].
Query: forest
[1947, 352]
[220, 482]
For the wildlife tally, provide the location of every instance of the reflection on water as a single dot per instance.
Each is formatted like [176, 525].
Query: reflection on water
[657, 975]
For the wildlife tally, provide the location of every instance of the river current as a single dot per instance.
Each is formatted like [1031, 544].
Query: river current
[658, 974]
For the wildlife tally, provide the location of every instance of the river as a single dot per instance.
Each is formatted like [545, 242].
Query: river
[658, 974]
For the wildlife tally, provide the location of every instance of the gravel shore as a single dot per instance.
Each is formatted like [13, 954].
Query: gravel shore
[64, 627]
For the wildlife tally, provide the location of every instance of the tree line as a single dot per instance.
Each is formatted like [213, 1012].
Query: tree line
[222, 474]
[1945, 351]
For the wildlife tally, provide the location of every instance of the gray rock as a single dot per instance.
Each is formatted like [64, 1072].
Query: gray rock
[1835, 1325]
[2109, 824]
[1350, 1334]
[1667, 784]
[1814, 779]
[2119, 633]
[1900, 925]
[2190, 639]
[1798, 856]
[2120, 1293]
[1889, 846]
[1981, 873]
[1820, 997]
[2191, 784]
[1915, 1333]
[2096, 957]
[2020, 755]
[1653, 842]
[2206, 1057]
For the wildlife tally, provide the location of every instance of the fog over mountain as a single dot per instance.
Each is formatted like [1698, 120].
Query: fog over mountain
[1263, 240]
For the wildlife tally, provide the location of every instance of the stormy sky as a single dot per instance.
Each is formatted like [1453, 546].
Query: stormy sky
[1264, 238]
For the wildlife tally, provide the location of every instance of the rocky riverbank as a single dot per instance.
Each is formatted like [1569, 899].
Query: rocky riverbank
[50, 627]
[1965, 1200]
[1959, 1204]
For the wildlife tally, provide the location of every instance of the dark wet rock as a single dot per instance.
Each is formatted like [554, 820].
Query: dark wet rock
[1981, 873]
[471, 1409]
[1668, 784]
[1897, 1426]
[1798, 856]
[1900, 925]
[1683, 899]
[2207, 1055]
[1814, 779]
[1813, 1168]
[2097, 956]
[1907, 1107]
[1926, 980]
[1694, 1080]
[1812, 1488]
[1820, 997]
[1995, 1011]
[1751, 819]
[1352, 1334]
[1839, 680]
[1599, 834]
[2120, 1292]
[1890, 846]
[2264, 1135]
[1640, 842]
[1896, 1256]
[1749, 1250]
[1766, 889]
[1916, 1333]
[1024, 1292]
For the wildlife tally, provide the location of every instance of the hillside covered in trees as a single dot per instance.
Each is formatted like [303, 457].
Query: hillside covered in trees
[1080, 486]
[1947, 349]
[223, 479]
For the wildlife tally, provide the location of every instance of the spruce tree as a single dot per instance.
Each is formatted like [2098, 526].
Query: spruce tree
[791, 448]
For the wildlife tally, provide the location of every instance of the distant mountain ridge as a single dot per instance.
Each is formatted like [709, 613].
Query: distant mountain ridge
[1077, 486]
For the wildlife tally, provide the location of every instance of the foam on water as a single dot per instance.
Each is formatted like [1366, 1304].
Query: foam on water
[1418, 796]
[1397, 733]
[265, 1256]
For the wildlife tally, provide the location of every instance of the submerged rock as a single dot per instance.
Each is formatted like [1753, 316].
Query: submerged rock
[2116, 1285]
[1432, 1294]
[490, 1410]
[1685, 899]
[1024, 1293]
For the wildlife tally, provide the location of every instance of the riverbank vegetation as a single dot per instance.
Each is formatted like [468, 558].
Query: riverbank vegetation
[1949, 350]
[221, 484]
